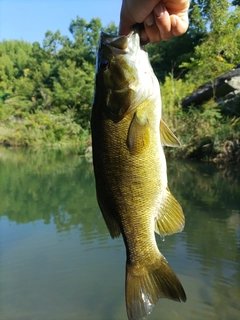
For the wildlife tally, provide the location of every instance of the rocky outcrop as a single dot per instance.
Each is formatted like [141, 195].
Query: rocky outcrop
[230, 103]
[225, 90]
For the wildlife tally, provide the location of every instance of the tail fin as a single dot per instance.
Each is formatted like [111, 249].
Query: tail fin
[144, 286]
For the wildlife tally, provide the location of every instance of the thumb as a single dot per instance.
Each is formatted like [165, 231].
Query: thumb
[179, 24]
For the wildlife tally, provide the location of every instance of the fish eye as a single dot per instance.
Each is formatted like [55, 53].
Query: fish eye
[104, 64]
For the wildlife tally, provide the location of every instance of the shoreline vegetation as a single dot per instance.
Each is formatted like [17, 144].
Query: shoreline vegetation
[46, 90]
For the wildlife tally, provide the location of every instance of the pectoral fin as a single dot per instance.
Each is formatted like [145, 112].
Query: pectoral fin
[170, 218]
[138, 135]
[168, 138]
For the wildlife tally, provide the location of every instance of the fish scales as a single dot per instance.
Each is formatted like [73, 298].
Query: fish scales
[130, 169]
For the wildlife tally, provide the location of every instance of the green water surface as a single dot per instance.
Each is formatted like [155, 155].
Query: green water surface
[57, 260]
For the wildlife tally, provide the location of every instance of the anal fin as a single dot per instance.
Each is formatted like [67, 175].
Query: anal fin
[170, 218]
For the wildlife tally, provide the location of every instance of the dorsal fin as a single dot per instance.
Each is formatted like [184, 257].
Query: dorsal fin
[168, 138]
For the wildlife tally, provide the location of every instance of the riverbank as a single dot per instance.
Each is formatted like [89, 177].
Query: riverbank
[206, 132]
[202, 138]
[43, 130]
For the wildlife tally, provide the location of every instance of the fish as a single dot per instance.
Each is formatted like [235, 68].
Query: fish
[128, 136]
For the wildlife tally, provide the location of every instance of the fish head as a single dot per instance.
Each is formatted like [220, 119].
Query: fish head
[124, 76]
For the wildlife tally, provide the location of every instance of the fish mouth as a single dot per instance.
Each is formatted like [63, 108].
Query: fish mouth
[117, 42]
[121, 44]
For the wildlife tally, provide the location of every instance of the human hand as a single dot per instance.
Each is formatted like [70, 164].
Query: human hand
[162, 19]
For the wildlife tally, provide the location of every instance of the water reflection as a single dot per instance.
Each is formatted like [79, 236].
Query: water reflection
[57, 260]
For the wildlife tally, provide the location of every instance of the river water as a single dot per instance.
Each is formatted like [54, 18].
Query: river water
[57, 260]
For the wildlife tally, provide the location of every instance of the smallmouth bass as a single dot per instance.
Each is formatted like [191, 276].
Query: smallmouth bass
[128, 136]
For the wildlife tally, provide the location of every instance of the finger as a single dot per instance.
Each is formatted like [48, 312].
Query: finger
[126, 20]
[151, 29]
[150, 20]
[179, 25]
[163, 21]
[152, 32]
[125, 26]
[124, 30]
[144, 37]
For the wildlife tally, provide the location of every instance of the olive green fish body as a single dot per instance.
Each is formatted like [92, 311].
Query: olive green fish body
[130, 169]
[123, 181]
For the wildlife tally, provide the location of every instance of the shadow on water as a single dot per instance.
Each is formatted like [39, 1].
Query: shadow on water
[57, 260]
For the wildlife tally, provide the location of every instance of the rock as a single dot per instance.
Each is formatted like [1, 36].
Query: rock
[218, 88]
[230, 103]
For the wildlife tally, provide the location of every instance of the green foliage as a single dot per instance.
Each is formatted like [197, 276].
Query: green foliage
[49, 82]
[41, 128]
[220, 50]
[46, 91]
[202, 130]
[173, 92]
[210, 47]
[86, 38]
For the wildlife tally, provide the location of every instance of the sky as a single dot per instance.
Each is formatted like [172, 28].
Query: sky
[29, 20]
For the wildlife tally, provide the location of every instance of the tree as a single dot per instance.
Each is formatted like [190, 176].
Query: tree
[220, 48]
[86, 39]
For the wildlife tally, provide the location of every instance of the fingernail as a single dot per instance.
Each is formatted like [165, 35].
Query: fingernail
[149, 20]
[144, 37]
[159, 10]
[173, 21]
